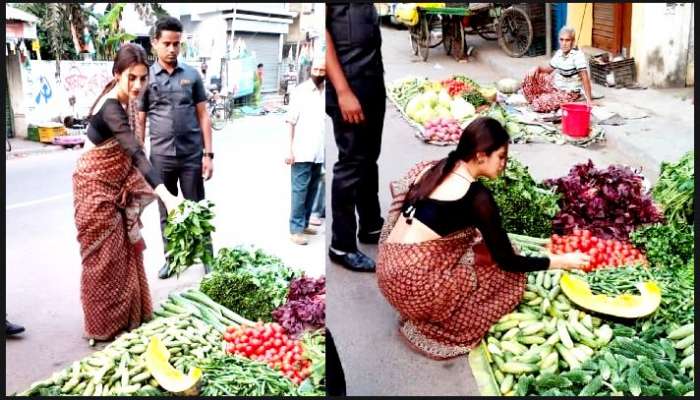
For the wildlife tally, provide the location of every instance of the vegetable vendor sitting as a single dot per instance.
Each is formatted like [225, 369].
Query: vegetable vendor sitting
[563, 80]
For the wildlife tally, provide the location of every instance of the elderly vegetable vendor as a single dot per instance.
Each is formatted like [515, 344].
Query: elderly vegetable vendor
[563, 80]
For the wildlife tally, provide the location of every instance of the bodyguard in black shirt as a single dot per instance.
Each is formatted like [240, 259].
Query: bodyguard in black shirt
[179, 126]
[355, 101]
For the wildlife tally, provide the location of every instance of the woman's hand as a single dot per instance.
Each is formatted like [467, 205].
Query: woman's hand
[569, 261]
[170, 201]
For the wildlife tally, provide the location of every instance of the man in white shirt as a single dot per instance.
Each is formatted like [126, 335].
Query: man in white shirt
[569, 66]
[306, 148]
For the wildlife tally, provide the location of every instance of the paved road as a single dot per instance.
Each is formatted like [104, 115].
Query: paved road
[250, 189]
[364, 326]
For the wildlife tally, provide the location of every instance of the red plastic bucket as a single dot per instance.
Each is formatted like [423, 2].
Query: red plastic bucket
[576, 119]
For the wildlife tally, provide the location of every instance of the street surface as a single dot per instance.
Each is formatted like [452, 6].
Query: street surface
[251, 192]
[364, 326]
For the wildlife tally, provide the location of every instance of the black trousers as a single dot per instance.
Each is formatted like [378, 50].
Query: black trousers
[355, 175]
[188, 172]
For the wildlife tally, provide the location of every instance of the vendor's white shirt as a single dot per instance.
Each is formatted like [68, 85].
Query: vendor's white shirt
[567, 69]
[306, 105]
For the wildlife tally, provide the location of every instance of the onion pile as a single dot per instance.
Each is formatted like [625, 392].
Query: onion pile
[443, 129]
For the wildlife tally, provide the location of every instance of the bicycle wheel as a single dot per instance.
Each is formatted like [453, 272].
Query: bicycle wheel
[514, 31]
[218, 118]
[424, 38]
[413, 36]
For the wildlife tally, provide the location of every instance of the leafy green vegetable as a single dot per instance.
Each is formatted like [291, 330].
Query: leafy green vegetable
[188, 232]
[665, 245]
[674, 190]
[231, 259]
[526, 207]
[250, 283]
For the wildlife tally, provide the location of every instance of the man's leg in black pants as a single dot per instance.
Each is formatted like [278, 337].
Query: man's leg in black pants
[168, 168]
[192, 185]
[347, 176]
[368, 210]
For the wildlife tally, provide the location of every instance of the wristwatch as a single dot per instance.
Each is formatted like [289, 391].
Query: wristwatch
[210, 155]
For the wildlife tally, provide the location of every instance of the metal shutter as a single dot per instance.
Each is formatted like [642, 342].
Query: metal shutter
[267, 50]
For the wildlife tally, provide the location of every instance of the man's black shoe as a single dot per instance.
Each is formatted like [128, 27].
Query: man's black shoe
[164, 272]
[356, 261]
[12, 329]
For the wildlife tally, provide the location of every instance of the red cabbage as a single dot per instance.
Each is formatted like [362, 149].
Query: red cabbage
[305, 307]
[609, 202]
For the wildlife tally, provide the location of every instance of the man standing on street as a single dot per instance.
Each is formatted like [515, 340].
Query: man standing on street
[179, 126]
[306, 148]
[355, 101]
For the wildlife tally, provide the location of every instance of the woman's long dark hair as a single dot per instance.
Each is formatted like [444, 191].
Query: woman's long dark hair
[129, 54]
[484, 134]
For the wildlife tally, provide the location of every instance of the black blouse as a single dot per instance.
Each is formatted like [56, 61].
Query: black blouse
[476, 208]
[112, 121]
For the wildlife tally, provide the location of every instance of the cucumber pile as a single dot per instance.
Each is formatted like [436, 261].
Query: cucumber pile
[120, 368]
[546, 335]
[198, 305]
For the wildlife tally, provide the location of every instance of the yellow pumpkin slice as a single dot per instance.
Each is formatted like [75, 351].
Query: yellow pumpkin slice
[166, 375]
[624, 306]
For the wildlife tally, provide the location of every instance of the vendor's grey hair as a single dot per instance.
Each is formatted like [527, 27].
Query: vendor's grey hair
[567, 29]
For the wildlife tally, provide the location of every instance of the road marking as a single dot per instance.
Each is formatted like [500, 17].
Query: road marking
[40, 201]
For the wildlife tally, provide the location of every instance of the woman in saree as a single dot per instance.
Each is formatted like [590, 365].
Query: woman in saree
[112, 184]
[444, 261]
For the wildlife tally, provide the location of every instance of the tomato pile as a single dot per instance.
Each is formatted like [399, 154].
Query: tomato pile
[268, 343]
[455, 87]
[603, 252]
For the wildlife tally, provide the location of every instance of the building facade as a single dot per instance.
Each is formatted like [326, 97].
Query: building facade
[660, 37]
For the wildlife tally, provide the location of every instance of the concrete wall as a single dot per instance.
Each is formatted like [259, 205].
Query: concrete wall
[46, 98]
[14, 85]
[580, 17]
[661, 35]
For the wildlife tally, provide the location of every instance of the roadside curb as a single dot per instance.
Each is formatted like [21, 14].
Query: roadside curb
[21, 153]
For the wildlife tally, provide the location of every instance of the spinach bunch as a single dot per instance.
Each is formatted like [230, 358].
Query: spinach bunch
[188, 232]
[526, 207]
[675, 188]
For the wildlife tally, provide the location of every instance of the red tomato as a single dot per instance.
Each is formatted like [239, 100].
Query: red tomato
[231, 329]
[585, 244]
[282, 349]
[577, 232]
[568, 248]
[600, 245]
[586, 234]
[594, 239]
[230, 348]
